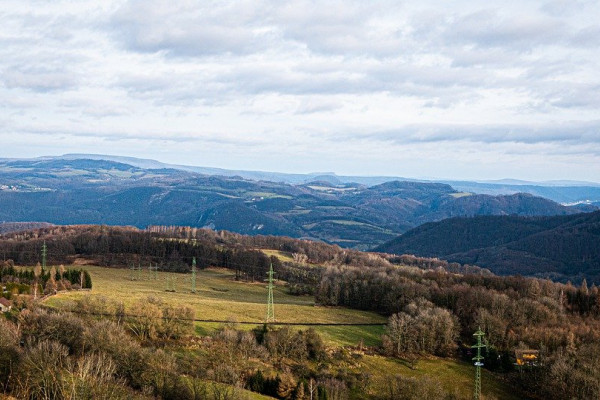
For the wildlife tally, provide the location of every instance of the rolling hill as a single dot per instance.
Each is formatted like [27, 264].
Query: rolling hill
[96, 191]
[561, 247]
[564, 192]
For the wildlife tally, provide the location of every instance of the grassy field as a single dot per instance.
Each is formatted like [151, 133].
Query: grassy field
[455, 376]
[282, 255]
[219, 297]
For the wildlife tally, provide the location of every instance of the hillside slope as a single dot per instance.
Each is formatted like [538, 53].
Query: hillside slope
[560, 247]
[85, 191]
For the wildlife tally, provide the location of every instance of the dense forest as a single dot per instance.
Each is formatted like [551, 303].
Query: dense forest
[433, 306]
[561, 247]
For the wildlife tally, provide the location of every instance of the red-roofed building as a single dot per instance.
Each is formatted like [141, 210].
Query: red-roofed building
[5, 305]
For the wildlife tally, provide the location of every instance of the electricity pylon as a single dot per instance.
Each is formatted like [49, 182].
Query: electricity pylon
[478, 364]
[170, 284]
[270, 308]
[155, 269]
[194, 275]
[44, 252]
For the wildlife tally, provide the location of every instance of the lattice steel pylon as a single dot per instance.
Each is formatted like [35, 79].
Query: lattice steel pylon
[131, 272]
[478, 364]
[44, 253]
[194, 275]
[270, 307]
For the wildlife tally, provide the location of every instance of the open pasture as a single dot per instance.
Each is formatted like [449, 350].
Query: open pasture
[219, 297]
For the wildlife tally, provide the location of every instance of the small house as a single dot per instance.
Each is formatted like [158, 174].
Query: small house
[5, 305]
[526, 357]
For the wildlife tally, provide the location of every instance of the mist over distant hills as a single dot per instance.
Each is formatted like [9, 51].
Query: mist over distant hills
[82, 189]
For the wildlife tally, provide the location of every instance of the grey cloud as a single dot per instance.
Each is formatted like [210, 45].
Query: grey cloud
[465, 57]
[95, 108]
[398, 78]
[489, 29]
[312, 107]
[561, 8]
[575, 132]
[578, 96]
[340, 27]
[336, 48]
[587, 37]
[111, 136]
[183, 136]
[38, 53]
[194, 29]
[249, 27]
[443, 85]
[182, 89]
[39, 80]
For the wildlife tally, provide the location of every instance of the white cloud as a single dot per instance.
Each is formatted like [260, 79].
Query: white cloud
[306, 85]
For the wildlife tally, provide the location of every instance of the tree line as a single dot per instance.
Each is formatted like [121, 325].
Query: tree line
[37, 280]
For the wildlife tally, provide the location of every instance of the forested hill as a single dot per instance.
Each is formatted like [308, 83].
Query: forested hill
[86, 191]
[561, 247]
[7, 227]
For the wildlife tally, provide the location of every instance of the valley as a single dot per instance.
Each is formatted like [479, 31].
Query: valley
[354, 215]
[220, 297]
[348, 324]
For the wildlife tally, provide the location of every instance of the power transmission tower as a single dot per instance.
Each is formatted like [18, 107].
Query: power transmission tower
[131, 272]
[270, 308]
[170, 284]
[194, 275]
[478, 364]
[44, 252]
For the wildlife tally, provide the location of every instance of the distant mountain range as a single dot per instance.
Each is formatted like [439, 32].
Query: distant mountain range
[565, 192]
[354, 212]
[561, 247]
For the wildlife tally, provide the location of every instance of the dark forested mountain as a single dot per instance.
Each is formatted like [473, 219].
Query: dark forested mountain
[97, 191]
[560, 247]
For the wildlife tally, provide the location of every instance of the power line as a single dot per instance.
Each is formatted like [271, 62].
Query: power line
[478, 364]
[221, 320]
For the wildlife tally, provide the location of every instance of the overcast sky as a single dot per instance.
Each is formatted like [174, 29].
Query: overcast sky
[445, 89]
